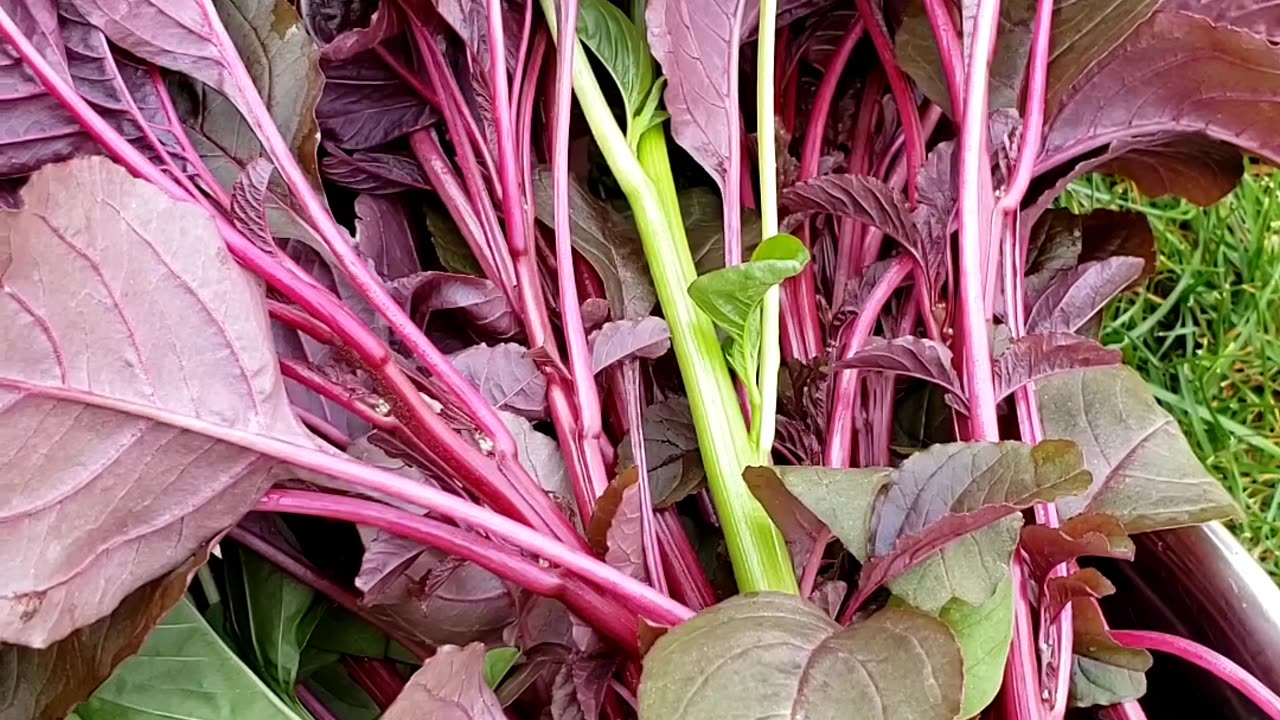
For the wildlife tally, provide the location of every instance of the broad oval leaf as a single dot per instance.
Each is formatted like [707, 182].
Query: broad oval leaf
[845, 500]
[1144, 472]
[777, 656]
[1256, 16]
[910, 355]
[1153, 84]
[1083, 32]
[451, 684]
[962, 499]
[366, 104]
[163, 321]
[157, 681]
[1103, 672]
[621, 48]
[372, 172]
[506, 377]
[477, 300]
[670, 449]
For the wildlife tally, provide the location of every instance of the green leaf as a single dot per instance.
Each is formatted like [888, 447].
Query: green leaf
[339, 631]
[1103, 672]
[335, 688]
[498, 662]
[271, 616]
[1144, 472]
[732, 296]
[984, 633]
[184, 671]
[844, 500]
[621, 48]
[775, 655]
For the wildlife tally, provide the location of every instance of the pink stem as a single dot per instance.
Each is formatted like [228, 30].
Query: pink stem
[809, 575]
[314, 705]
[575, 336]
[902, 95]
[950, 49]
[608, 619]
[212, 186]
[1216, 663]
[840, 425]
[685, 576]
[848, 248]
[323, 428]
[298, 320]
[308, 377]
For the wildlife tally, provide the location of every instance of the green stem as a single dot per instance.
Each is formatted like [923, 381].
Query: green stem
[756, 547]
[765, 423]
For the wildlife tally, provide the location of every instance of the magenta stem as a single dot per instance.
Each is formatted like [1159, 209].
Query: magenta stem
[323, 428]
[839, 445]
[902, 94]
[307, 376]
[950, 50]
[314, 704]
[648, 535]
[575, 336]
[1218, 664]
[849, 257]
[603, 614]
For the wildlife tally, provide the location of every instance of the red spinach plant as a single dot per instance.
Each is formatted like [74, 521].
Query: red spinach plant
[355, 323]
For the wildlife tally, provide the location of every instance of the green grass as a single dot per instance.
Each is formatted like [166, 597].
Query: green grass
[1205, 332]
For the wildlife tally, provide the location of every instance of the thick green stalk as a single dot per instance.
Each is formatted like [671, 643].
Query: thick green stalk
[756, 547]
[765, 424]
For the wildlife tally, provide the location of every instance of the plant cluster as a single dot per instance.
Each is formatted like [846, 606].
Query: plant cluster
[676, 359]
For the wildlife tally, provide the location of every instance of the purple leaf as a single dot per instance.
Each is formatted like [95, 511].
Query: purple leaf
[506, 377]
[249, 203]
[163, 324]
[595, 311]
[698, 45]
[47, 684]
[448, 685]
[869, 201]
[383, 235]
[857, 197]
[627, 339]
[1086, 583]
[1179, 56]
[440, 599]
[372, 172]
[365, 104]
[909, 355]
[1092, 535]
[615, 530]
[1033, 357]
[1073, 297]
[982, 483]
[1257, 16]
[774, 655]
[1083, 32]
[540, 455]
[1144, 472]
[38, 130]
[579, 687]
[277, 52]
[477, 300]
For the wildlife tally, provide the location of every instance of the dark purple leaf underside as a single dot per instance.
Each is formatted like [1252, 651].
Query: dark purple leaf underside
[627, 339]
[372, 172]
[365, 104]
[384, 236]
[506, 377]
[910, 355]
[249, 202]
[475, 299]
[1075, 296]
[1032, 357]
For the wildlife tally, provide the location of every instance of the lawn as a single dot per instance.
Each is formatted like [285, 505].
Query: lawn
[1205, 332]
